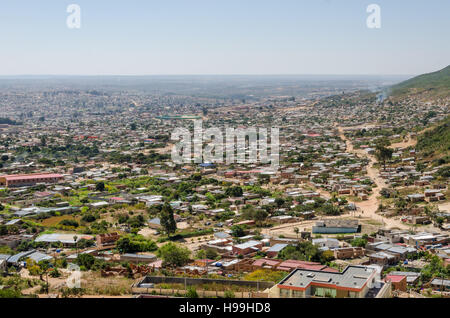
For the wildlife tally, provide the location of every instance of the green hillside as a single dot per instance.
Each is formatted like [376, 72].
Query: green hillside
[437, 140]
[435, 84]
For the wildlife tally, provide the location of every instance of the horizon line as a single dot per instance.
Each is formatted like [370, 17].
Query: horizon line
[237, 74]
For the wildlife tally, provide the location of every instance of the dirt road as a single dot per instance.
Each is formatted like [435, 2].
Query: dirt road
[370, 206]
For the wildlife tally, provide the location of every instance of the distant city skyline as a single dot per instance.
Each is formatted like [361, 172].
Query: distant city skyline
[204, 37]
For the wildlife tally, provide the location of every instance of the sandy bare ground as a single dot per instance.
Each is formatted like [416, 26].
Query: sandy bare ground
[147, 232]
[53, 282]
[194, 243]
[162, 151]
[444, 206]
[409, 142]
[288, 228]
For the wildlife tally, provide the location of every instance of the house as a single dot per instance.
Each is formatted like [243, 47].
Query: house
[264, 263]
[155, 223]
[246, 222]
[14, 222]
[290, 265]
[415, 197]
[13, 240]
[353, 282]
[38, 257]
[107, 239]
[151, 200]
[247, 248]
[336, 226]
[117, 200]
[432, 195]
[413, 219]
[329, 243]
[99, 204]
[138, 258]
[363, 196]
[21, 180]
[425, 238]
[275, 249]
[348, 252]
[15, 259]
[222, 235]
[66, 239]
[398, 282]
[382, 259]
[411, 277]
[440, 284]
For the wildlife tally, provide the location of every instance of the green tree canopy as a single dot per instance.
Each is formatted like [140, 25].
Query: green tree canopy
[167, 219]
[174, 255]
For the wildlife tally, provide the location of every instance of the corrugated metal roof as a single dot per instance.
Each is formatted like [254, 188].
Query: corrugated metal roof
[17, 257]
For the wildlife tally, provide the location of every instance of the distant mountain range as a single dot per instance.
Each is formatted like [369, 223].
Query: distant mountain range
[431, 85]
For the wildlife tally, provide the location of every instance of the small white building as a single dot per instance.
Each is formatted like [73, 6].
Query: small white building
[331, 243]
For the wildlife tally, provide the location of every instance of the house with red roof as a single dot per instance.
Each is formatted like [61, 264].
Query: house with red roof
[21, 180]
[398, 282]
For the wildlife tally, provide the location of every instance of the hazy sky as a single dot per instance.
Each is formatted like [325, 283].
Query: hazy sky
[146, 37]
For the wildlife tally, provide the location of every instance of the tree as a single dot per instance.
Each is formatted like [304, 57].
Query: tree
[234, 191]
[250, 213]
[211, 253]
[135, 243]
[304, 251]
[260, 215]
[167, 219]
[44, 269]
[201, 254]
[383, 154]
[330, 209]
[85, 260]
[296, 230]
[279, 202]
[237, 231]
[3, 230]
[174, 255]
[359, 242]
[100, 186]
[383, 142]
[75, 239]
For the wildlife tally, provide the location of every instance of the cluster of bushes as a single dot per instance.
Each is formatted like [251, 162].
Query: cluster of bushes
[185, 235]
[360, 241]
[72, 223]
[266, 275]
[306, 251]
[89, 262]
[135, 243]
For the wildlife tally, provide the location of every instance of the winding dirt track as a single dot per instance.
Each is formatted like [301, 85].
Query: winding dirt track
[370, 206]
